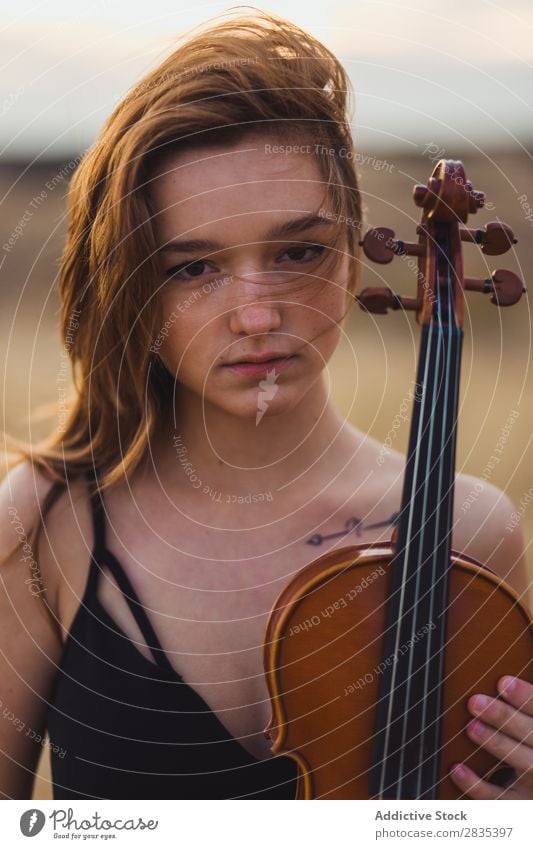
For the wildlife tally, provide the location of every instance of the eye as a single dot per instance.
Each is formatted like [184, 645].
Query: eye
[194, 268]
[304, 252]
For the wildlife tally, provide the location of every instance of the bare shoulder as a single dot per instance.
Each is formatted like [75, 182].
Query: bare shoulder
[484, 525]
[484, 528]
[22, 492]
[65, 538]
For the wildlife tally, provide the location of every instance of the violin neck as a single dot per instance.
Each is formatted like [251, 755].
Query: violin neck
[426, 517]
[407, 741]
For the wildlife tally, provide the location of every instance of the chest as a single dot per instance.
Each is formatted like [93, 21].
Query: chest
[208, 596]
[207, 578]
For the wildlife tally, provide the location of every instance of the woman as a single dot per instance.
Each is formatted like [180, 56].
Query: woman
[211, 262]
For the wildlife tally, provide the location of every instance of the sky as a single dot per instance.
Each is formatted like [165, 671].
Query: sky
[455, 74]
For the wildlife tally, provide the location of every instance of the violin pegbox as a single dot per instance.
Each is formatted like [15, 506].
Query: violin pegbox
[448, 199]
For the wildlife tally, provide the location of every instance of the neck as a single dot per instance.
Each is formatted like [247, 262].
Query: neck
[207, 449]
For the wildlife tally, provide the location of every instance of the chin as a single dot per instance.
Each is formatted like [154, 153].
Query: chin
[248, 408]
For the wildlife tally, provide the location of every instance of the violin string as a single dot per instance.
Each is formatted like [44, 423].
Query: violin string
[421, 536]
[392, 693]
[403, 582]
[434, 577]
[449, 523]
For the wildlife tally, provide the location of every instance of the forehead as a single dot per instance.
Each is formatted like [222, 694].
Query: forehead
[240, 187]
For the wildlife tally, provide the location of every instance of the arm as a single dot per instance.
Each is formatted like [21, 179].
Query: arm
[30, 645]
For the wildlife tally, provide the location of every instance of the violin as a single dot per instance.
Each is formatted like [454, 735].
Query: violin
[372, 651]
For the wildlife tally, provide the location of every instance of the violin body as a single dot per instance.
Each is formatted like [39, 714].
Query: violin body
[324, 656]
[372, 651]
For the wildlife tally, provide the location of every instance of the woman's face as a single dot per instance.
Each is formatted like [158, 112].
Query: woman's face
[239, 281]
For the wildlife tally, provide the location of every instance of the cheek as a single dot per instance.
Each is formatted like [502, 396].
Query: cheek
[323, 343]
[178, 350]
[322, 318]
[331, 299]
[188, 350]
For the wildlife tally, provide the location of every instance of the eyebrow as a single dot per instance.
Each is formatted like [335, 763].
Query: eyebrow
[286, 228]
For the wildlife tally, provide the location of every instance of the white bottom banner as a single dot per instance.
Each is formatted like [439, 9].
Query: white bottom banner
[267, 824]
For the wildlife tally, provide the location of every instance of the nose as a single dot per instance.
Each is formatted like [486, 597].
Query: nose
[254, 314]
[255, 317]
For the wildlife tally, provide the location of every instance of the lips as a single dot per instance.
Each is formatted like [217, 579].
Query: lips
[262, 358]
[261, 366]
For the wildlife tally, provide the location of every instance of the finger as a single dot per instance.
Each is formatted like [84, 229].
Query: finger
[502, 746]
[474, 786]
[517, 692]
[501, 716]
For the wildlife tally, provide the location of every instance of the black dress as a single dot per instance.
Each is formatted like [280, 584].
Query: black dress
[123, 727]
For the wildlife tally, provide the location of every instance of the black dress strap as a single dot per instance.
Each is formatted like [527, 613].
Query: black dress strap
[101, 554]
[98, 515]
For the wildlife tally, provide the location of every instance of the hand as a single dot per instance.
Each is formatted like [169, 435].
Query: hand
[505, 729]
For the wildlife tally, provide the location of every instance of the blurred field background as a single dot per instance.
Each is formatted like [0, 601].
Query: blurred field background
[373, 368]
[457, 80]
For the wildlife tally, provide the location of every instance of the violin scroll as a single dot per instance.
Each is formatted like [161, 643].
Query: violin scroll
[448, 196]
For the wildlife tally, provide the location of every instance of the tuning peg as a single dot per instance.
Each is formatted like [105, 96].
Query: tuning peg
[424, 195]
[380, 245]
[380, 300]
[476, 200]
[495, 239]
[505, 286]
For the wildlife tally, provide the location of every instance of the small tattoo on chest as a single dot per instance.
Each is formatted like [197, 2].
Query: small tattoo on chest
[353, 525]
